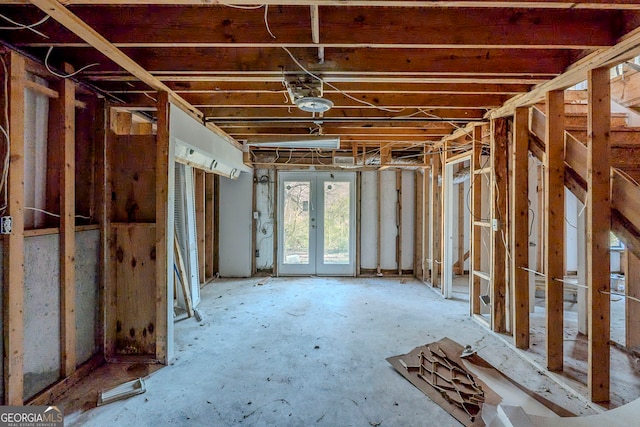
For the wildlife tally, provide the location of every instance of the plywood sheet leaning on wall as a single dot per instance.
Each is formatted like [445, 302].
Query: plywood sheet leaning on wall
[135, 260]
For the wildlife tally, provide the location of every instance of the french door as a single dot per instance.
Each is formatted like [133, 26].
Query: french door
[316, 214]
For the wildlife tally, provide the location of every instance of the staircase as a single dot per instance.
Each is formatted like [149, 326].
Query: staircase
[625, 161]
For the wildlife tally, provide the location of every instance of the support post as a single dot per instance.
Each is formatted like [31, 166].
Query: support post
[209, 225]
[162, 235]
[399, 219]
[499, 210]
[598, 229]
[436, 221]
[65, 139]
[13, 287]
[418, 255]
[520, 228]
[554, 229]
[476, 214]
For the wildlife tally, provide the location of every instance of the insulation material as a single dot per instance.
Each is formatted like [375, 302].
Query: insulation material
[236, 224]
[265, 223]
[36, 117]
[408, 218]
[87, 306]
[368, 220]
[389, 220]
[41, 313]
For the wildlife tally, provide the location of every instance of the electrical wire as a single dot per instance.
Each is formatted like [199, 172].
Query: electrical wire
[64, 76]
[30, 27]
[266, 21]
[51, 213]
[321, 80]
[235, 6]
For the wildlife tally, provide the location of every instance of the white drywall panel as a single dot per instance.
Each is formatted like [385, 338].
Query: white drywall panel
[368, 220]
[41, 313]
[235, 226]
[265, 197]
[408, 218]
[389, 221]
[571, 231]
[87, 307]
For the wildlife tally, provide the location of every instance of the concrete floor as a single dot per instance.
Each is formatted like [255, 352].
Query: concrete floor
[310, 351]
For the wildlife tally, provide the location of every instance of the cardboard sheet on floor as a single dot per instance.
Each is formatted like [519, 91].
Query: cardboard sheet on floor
[473, 366]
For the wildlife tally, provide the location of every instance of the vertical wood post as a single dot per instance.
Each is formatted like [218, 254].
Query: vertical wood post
[461, 210]
[554, 229]
[379, 216]
[418, 250]
[499, 210]
[436, 221]
[399, 219]
[13, 287]
[598, 229]
[632, 308]
[520, 228]
[476, 213]
[65, 132]
[162, 236]
[209, 225]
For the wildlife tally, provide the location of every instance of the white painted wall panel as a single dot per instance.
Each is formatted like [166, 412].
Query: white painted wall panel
[389, 197]
[235, 226]
[408, 218]
[369, 220]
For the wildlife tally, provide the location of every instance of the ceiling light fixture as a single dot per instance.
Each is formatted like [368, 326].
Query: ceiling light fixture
[313, 104]
[306, 94]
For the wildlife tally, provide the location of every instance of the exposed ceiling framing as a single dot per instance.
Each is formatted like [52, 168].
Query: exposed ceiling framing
[400, 73]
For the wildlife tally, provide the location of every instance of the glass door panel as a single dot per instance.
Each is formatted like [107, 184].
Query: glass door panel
[316, 222]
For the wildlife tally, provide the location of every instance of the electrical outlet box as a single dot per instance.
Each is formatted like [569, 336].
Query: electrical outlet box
[6, 224]
[256, 215]
[257, 253]
[494, 224]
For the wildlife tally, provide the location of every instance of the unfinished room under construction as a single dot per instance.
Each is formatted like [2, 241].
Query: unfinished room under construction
[320, 212]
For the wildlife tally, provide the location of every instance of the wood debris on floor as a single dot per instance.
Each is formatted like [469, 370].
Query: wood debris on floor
[439, 371]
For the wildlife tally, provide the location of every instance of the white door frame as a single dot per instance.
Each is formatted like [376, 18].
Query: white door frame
[316, 225]
[447, 241]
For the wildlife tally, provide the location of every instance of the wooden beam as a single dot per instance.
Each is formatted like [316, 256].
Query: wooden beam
[74, 24]
[534, 4]
[632, 308]
[627, 48]
[275, 100]
[533, 62]
[436, 221]
[65, 131]
[13, 287]
[554, 229]
[499, 212]
[520, 228]
[163, 236]
[213, 26]
[598, 229]
[476, 213]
